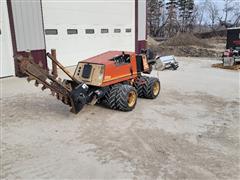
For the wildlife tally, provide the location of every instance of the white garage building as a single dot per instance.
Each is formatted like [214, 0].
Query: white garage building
[76, 29]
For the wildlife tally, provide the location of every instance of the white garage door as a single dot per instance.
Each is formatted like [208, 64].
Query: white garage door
[6, 52]
[82, 29]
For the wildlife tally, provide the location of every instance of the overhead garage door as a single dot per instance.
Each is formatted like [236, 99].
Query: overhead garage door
[6, 52]
[82, 29]
[26, 25]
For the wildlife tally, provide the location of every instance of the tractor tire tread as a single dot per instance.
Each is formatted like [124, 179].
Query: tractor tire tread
[139, 86]
[122, 97]
[110, 96]
[148, 87]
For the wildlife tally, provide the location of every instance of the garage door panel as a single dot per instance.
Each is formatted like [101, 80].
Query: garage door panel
[6, 52]
[84, 15]
[28, 25]
[87, 47]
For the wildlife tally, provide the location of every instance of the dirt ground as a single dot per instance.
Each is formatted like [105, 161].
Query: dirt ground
[191, 131]
[235, 67]
[189, 45]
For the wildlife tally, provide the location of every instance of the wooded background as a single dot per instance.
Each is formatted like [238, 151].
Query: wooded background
[165, 18]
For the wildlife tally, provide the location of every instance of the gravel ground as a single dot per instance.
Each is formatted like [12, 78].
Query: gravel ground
[191, 131]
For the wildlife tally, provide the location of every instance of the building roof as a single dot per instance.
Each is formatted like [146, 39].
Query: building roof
[233, 28]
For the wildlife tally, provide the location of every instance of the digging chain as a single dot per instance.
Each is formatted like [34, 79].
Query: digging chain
[34, 71]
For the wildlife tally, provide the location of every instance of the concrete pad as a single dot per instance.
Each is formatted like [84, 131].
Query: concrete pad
[191, 131]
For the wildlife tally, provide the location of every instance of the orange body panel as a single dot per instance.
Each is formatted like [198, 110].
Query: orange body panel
[114, 72]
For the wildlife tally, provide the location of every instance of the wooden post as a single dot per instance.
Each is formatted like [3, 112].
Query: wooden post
[54, 66]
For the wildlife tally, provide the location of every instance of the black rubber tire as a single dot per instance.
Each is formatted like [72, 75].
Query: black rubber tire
[139, 86]
[174, 67]
[123, 96]
[148, 87]
[109, 100]
[144, 87]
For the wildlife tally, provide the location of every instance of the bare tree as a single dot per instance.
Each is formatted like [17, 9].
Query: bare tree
[236, 15]
[185, 8]
[228, 7]
[213, 13]
[200, 11]
[171, 26]
[231, 13]
[193, 20]
[153, 16]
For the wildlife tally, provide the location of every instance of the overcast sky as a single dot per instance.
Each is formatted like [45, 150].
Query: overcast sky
[220, 5]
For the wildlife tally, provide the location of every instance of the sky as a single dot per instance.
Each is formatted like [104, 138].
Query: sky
[219, 4]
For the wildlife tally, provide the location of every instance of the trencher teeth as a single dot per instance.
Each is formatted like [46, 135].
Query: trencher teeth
[53, 93]
[65, 100]
[43, 87]
[36, 83]
[30, 78]
[57, 95]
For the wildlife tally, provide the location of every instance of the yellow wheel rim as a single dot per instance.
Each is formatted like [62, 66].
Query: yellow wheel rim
[132, 97]
[156, 88]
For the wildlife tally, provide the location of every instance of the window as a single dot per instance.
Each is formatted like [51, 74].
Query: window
[72, 31]
[104, 31]
[51, 31]
[117, 30]
[128, 30]
[89, 31]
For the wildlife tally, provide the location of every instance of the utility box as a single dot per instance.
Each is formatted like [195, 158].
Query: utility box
[228, 61]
